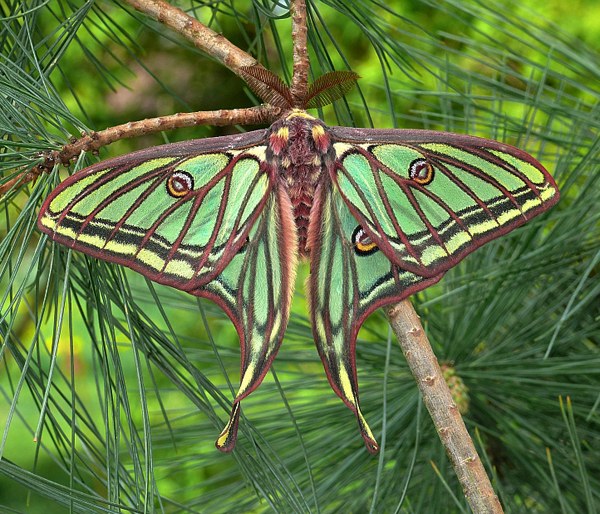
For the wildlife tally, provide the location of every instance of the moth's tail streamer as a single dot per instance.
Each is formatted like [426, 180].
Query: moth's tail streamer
[228, 437]
[370, 442]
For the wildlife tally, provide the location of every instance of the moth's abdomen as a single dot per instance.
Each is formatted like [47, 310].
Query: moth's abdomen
[301, 184]
[299, 144]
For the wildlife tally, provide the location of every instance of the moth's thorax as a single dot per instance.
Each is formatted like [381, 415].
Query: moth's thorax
[299, 146]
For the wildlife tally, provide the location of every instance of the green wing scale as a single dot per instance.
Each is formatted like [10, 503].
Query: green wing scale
[380, 214]
[430, 198]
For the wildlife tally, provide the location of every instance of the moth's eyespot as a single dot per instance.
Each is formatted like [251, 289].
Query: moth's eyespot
[180, 184]
[421, 171]
[363, 244]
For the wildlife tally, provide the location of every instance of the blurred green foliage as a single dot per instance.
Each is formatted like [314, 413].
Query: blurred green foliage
[113, 389]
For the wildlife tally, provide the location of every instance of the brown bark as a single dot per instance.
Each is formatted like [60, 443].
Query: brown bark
[442, 409]
[299, 87]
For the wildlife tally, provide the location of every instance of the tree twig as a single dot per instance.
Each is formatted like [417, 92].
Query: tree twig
[299, 87]
[93, 141]
[442, 409]
[221, 117]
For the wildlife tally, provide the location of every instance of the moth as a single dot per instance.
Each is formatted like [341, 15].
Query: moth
[379, 214]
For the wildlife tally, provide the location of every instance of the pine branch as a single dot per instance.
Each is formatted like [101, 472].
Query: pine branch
[442, 409]
[93, 141]
[299, 87]
[204, 38]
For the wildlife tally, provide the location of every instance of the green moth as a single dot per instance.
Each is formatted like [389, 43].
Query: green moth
[380, 214]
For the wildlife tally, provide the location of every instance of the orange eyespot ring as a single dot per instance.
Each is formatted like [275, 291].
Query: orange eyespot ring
[180, 184]
[421, 171]
[363, 244]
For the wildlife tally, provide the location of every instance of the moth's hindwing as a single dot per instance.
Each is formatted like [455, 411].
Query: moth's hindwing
[255, 289]
[350, 277]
